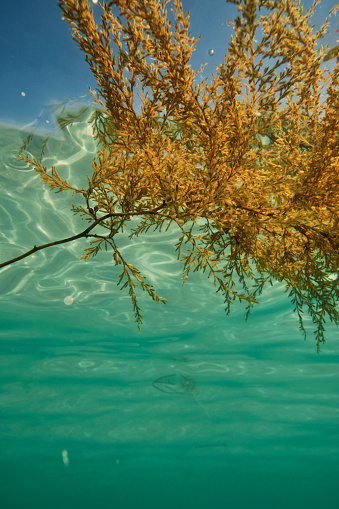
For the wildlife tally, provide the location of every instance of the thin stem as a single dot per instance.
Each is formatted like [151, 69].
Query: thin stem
[80, 235]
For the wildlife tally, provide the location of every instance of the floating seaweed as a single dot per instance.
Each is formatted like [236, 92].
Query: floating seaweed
[175, 151]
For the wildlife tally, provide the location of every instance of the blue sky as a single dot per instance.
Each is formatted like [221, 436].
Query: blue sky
[40, 60]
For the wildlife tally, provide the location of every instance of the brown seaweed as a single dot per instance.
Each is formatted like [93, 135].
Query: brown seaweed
[175, 151]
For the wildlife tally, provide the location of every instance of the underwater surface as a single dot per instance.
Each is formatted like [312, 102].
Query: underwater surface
[196, 410]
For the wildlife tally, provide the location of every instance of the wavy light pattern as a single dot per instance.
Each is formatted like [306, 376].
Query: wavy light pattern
[77, 375]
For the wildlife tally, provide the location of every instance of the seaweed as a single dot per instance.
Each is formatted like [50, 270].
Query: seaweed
[177, 151]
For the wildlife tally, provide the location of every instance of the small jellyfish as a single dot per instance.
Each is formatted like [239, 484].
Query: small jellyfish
[65, 458]
[68, 300]
[211, 52]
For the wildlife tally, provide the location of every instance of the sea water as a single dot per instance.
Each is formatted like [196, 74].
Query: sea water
[196, 410]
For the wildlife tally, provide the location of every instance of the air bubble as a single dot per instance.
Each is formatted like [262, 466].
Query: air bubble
[68, 300]
[65, 458]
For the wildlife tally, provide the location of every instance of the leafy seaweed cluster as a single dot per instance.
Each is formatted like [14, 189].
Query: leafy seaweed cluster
[244, 163]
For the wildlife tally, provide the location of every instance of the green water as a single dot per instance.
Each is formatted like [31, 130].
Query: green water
[248, 417]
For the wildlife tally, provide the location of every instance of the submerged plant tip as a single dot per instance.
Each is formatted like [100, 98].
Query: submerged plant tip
[244, 164]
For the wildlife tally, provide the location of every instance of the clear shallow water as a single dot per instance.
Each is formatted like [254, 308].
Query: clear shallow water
[256, 425]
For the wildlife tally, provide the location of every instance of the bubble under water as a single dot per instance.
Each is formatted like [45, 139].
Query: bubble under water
[68, 300]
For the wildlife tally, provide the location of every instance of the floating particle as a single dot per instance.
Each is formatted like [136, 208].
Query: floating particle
[68, 300]
[211, 52]
[65, 458]
[95, 1]
[46, 121]
[23, 94]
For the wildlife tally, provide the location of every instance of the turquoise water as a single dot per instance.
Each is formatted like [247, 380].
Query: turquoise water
[196, 410]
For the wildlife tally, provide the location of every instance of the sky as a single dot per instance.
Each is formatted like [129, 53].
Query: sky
[42, 66]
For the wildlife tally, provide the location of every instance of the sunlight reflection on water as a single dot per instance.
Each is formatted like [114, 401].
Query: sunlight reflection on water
[86, 373]
[58, 275]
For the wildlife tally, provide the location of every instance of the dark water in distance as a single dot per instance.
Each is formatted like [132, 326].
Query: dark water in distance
[197, 410]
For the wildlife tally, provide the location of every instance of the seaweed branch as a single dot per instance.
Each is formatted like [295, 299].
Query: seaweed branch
[245, 164]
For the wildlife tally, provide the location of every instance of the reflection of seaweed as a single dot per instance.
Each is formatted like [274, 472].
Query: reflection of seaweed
[178, 384]
[174, 384]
